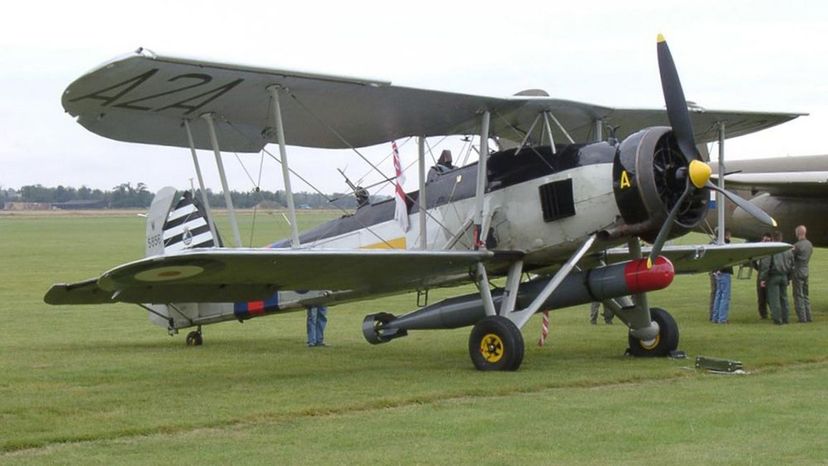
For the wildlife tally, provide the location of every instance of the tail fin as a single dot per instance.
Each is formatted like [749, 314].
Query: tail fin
[173, 226]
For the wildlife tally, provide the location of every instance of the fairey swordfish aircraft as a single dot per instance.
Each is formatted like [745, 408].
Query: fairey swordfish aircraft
[539, 214]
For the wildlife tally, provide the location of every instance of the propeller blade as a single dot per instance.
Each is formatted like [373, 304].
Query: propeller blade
[756, 212]
[658, 244]
[677, 111]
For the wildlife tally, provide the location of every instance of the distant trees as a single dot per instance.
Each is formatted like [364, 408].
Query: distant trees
[125, 195]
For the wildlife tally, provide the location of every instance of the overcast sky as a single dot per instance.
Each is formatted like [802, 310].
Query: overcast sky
[734, 55]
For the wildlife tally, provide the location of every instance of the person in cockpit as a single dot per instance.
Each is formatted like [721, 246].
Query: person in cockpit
[444, 164]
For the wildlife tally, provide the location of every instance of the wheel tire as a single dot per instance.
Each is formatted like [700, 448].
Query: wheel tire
[666, 340]
[194, 339]
[496, 344]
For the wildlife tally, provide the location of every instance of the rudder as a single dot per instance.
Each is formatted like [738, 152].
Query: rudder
[176, 225]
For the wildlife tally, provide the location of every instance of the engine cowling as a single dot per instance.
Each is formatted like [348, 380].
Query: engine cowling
[649, 176]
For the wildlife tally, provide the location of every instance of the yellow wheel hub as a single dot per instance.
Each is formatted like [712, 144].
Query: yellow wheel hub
[491, 347]
[650, 344]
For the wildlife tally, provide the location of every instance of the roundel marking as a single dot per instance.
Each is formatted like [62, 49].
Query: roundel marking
[172, 272]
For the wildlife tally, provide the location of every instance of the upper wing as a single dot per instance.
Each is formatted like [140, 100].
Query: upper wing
[144, 97]
[705, 258]
[223, 275]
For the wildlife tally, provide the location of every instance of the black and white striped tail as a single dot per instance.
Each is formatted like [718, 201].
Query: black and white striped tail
[186, 227]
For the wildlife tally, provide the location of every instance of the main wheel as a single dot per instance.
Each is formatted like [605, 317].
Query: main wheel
[496, 344]
[194, 338]
[666, 340]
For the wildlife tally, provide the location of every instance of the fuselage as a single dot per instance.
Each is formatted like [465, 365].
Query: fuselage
[537, 202]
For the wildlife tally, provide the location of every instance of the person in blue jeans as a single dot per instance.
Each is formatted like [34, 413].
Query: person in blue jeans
[721, 304]
[317, 319]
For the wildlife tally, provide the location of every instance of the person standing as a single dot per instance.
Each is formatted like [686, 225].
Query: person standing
[775, 275]
[593, 313]
[317, 320]
[761, 295]
[721, 304]
[802, 255]
[713, 278]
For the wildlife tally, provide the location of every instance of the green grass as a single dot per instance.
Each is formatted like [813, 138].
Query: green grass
[99, 384]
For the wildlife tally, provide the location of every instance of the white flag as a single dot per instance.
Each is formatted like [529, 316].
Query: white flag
[401, 211]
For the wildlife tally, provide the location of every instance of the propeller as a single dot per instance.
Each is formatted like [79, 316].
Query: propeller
[696, 173]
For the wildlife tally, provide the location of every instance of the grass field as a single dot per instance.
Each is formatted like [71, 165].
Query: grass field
[103, 385]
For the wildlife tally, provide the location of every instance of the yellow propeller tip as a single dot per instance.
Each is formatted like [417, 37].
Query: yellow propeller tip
[773, 221]
[660, 38]
[649, 263]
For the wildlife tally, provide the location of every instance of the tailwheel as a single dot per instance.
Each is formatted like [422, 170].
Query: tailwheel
[496, 344]
[663, 343]
[194, 338]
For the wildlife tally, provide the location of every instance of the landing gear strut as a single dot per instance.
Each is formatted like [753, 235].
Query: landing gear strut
[496, 344]
[194, 338]
[663, 343]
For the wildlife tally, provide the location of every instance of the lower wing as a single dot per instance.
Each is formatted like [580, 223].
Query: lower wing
[224, 275]
[705, 258]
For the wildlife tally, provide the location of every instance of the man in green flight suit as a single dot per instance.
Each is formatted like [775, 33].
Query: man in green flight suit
[775, 273]
[802, 255]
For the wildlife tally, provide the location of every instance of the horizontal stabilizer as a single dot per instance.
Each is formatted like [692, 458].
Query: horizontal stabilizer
[85, 292]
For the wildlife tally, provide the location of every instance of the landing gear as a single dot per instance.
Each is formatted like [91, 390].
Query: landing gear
[194, 338]
[496, 344]
[663, 343]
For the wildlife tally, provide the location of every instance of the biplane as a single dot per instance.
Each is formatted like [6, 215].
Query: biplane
[541, 211]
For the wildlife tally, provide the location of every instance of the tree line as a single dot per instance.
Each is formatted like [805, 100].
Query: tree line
[125, 195]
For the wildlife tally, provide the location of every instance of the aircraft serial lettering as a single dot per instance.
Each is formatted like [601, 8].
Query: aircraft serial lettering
[625, 180]
[113, 95]
[154, 240]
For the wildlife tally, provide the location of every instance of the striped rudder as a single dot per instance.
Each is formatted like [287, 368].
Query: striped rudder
[186, 226]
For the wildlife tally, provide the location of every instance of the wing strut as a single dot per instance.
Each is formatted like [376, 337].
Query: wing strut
[479, 234]
[720, 199]
[548, 127]
[421, 197]
[528, 134]
[561, 127]
[208, 117]
[599, 130]
[204, 199]
[280, 135]
[522, 316]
